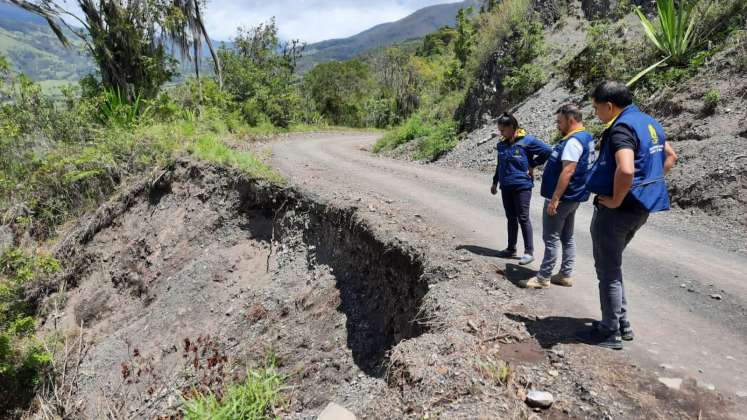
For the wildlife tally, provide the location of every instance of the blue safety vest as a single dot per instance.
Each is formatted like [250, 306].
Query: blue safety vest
[576, 190]
[515, 159]
[649, 186]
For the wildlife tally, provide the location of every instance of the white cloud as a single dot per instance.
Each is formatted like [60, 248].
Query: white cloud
[308, 20]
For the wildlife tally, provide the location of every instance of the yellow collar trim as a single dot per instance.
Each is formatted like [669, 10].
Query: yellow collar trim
[520, 133]
[612, 121]
[578, 130]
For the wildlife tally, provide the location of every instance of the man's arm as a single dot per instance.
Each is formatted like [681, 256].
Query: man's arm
[623, 179]
[671, 157]
[539, 152]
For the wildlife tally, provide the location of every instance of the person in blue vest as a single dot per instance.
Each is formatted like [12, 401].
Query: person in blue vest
[628, 179]
[518, 155]
[564, 189]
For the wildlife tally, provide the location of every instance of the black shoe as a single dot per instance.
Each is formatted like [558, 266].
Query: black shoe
[626, 331]
[506, 253]
[600, 337]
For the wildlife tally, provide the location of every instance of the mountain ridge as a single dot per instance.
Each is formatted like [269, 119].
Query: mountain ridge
[415, 25]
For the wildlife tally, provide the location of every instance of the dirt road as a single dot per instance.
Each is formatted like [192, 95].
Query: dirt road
[688, 300]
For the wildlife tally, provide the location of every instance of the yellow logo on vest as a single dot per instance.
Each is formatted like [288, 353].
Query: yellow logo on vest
[654, 134]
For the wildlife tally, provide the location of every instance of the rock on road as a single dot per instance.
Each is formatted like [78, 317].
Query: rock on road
[681, 330]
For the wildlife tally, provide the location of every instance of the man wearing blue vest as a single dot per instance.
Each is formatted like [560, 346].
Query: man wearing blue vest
[518, 155]
[564, 189]
[628, 180]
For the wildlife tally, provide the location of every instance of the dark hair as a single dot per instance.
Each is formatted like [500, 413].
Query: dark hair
[570, 111]
[614, 92]
[507, 120]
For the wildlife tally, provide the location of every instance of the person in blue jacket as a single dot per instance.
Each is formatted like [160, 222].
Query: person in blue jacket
[518, 155]
[564, 189]
[628, 179]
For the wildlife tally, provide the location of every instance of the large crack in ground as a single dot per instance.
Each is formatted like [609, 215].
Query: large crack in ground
[199, 251]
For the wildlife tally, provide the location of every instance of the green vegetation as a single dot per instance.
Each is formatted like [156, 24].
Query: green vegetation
[434, 138]
[685, 35]
[711, 100]
[602, 59]
[22, 357]
[254, 399]
[675, 36]
[211, 148]
[259, 76]
[340, 92]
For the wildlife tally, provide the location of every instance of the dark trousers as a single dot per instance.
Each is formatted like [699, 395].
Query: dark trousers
[516, 206]
[611, 231]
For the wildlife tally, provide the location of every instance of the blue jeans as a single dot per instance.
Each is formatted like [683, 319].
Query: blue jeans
[557, 232]
[611, 231]
[516, 205]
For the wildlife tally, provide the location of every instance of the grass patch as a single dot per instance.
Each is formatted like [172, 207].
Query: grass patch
[210, 148]
[256, 398]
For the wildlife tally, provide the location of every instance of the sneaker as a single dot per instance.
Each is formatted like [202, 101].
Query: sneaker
[562, 280]
[506, 253]
[626, 331]
[602, 338]
[535, 283]
[526, 259]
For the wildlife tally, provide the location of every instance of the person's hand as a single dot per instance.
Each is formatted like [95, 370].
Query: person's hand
[494, 189]
[552, 207]
[608, 202]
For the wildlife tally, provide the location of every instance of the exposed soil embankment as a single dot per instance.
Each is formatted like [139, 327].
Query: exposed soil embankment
[205, 255]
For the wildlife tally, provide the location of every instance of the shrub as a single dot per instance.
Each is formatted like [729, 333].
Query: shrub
[441, 139]
[524, 81]
[602, 59]
[711, 100]
[494, 27]
[22, 358]
[676, 36]
[434, 138]
[413, 128]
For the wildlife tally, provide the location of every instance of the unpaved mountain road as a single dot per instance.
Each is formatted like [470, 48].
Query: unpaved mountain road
[687, 300]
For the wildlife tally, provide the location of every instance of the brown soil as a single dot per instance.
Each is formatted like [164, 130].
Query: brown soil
[199, 259]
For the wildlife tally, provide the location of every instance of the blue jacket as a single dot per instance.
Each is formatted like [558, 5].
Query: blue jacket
[649, 186]
[576, 190]
[515, 159]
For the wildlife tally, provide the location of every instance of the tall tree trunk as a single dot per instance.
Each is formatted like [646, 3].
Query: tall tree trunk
[216, 59]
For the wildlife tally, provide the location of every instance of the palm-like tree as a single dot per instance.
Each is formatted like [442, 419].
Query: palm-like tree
[126, 37]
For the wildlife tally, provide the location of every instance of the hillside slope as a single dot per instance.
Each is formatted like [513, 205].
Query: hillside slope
[416, 25]
[33, 49]
[708, 186]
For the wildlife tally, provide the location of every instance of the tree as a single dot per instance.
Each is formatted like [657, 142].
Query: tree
[126, 38]
[260, 74]
[338, 89]
[464, 42]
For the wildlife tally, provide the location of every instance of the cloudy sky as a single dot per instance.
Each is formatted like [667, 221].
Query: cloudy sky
[308, 20]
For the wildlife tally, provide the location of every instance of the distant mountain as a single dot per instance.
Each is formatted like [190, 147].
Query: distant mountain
[32, 49]
[416, 25]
